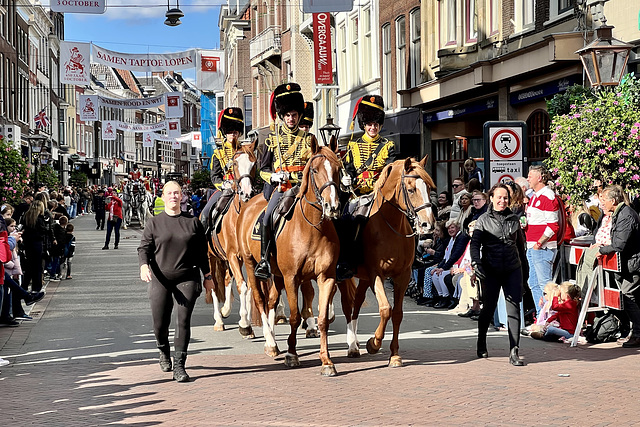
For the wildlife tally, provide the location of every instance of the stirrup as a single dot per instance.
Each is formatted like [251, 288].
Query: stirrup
[262, 270]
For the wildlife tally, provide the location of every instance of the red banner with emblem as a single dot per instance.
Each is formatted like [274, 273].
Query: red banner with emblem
[322, 48]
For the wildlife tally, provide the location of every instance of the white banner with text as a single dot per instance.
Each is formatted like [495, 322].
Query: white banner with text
[147, 62]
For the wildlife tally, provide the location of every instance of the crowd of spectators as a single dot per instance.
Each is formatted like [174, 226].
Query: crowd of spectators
[444, 277]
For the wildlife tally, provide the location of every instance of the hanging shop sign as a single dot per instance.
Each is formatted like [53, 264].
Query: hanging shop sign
[545, 90]
[90, 105]
[210, 70]
[472, 107]
[505, 147]
[322, 48]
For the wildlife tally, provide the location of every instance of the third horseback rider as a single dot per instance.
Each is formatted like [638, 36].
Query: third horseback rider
[365, 159]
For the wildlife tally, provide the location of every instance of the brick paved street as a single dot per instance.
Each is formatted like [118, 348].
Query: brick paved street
[88, 358]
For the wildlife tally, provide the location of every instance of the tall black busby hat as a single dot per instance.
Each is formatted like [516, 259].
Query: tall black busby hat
[229, 120]
[307, 115]
[286, 97]
[369, 109]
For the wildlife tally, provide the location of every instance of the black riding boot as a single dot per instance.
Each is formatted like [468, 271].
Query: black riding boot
[179, 373]
[263, 269]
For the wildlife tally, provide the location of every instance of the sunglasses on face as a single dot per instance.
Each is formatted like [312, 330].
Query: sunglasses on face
[456, 185]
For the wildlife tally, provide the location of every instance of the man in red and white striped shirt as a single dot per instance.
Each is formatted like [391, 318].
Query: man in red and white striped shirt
[541, 232]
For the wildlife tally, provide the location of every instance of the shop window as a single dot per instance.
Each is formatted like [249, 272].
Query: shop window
[538, 130]
[449, 156]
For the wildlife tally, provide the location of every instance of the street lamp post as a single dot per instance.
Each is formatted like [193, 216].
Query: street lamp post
[39, 155]
[329, 131]
[605, 58]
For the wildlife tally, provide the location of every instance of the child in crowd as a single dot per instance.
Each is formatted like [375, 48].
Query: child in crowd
[69, 249]
[540, 326]
[566, 304]
[13, 267]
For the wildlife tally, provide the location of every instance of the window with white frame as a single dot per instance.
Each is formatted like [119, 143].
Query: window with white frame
[342, 54]
[558, 7]
[524, 14]
[354, 53]
[470, 21]
[386, 64]
[447, 22]
[415, 54]
[367, 71]
[493, 20]
[401, 54]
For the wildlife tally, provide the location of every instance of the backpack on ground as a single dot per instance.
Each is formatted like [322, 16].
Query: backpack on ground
[605, 328]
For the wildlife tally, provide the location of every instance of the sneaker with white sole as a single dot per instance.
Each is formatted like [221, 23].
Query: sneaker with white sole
[4, 362]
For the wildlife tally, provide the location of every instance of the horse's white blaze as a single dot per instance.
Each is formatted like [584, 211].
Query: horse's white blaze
[426, 197]
[334, 195]
[244, 168]
[244, 322]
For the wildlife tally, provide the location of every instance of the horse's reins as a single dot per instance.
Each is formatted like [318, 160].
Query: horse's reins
[317, 192]
[411, 213]
[240, 178]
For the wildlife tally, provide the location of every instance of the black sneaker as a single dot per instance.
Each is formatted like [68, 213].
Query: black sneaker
[33, 298]
[115, 247]
[9, 322]
[105, 247]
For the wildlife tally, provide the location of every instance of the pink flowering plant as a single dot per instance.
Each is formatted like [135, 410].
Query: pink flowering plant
[14, 173]
[596, 142]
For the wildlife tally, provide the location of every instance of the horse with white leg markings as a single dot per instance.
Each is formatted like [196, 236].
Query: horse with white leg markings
[224, 257]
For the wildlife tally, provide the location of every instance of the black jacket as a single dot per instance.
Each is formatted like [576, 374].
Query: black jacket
[459, 246]
[98, 203]
[500, 240]
[625, 238]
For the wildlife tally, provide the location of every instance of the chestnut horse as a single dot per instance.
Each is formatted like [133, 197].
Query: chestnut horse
[223, 249]
[306, 249]
[401, 209]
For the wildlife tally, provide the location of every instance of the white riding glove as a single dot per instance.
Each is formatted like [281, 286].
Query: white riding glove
[346, 180]
[276, 178]
[226, 185]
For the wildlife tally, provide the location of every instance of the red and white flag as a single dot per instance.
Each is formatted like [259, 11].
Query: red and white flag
[173, 128]
[210, 70]
[174, 105]
[41, 119]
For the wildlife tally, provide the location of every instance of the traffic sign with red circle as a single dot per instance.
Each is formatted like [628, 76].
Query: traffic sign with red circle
[505, 144]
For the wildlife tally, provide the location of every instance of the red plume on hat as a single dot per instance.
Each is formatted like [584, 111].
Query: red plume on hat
[355, 113]
[272, 109]
[219, 123]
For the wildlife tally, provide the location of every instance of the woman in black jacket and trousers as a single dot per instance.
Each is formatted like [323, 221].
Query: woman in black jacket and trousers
[500, 239]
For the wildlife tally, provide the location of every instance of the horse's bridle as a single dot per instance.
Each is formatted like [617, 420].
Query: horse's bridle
[317, 191]
[410, 212]
[240, 178]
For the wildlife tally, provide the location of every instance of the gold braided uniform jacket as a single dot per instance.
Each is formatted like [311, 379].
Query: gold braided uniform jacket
[285, 150]
[220, 165]
[358, 152]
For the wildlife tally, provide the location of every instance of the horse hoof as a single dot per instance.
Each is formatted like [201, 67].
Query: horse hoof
[281, 320]
[312, 333]
[332, 319]
[355, 353]
[395, 362]
[304, 324]
[291, 360]
[271, 351]
[328, 371]
[371, 347]
[245, 332]
[218, 328]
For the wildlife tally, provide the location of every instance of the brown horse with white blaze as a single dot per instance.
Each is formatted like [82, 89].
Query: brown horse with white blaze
[401, 208]
[306, 249]
[223, 248]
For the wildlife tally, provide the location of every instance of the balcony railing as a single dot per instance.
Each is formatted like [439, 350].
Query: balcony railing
[265, 45]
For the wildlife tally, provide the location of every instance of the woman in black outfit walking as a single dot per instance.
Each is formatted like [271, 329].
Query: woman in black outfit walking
[172, 253]
[34, 237]
[500, 240]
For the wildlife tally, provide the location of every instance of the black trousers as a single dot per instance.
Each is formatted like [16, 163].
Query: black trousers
[33, 267]
[162, 298]
[511, 284]
[100, 215]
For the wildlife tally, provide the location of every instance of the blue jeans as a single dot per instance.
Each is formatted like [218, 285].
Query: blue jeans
[540, 272]
[553, 333]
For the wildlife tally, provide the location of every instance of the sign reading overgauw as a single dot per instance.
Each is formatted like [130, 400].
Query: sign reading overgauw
[78, 6]
[322, 48]
[319, 6]
[505, 150]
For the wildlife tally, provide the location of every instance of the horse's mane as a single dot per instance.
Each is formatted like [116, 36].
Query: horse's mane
[416, 168]
[248, 150]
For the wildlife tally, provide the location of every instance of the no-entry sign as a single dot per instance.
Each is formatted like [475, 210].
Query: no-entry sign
[505, 150]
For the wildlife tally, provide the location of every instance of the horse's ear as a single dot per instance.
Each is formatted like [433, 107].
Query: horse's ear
[315, 147]
[423, 162]
[333, 144]
[252, 147]
[407, 164]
